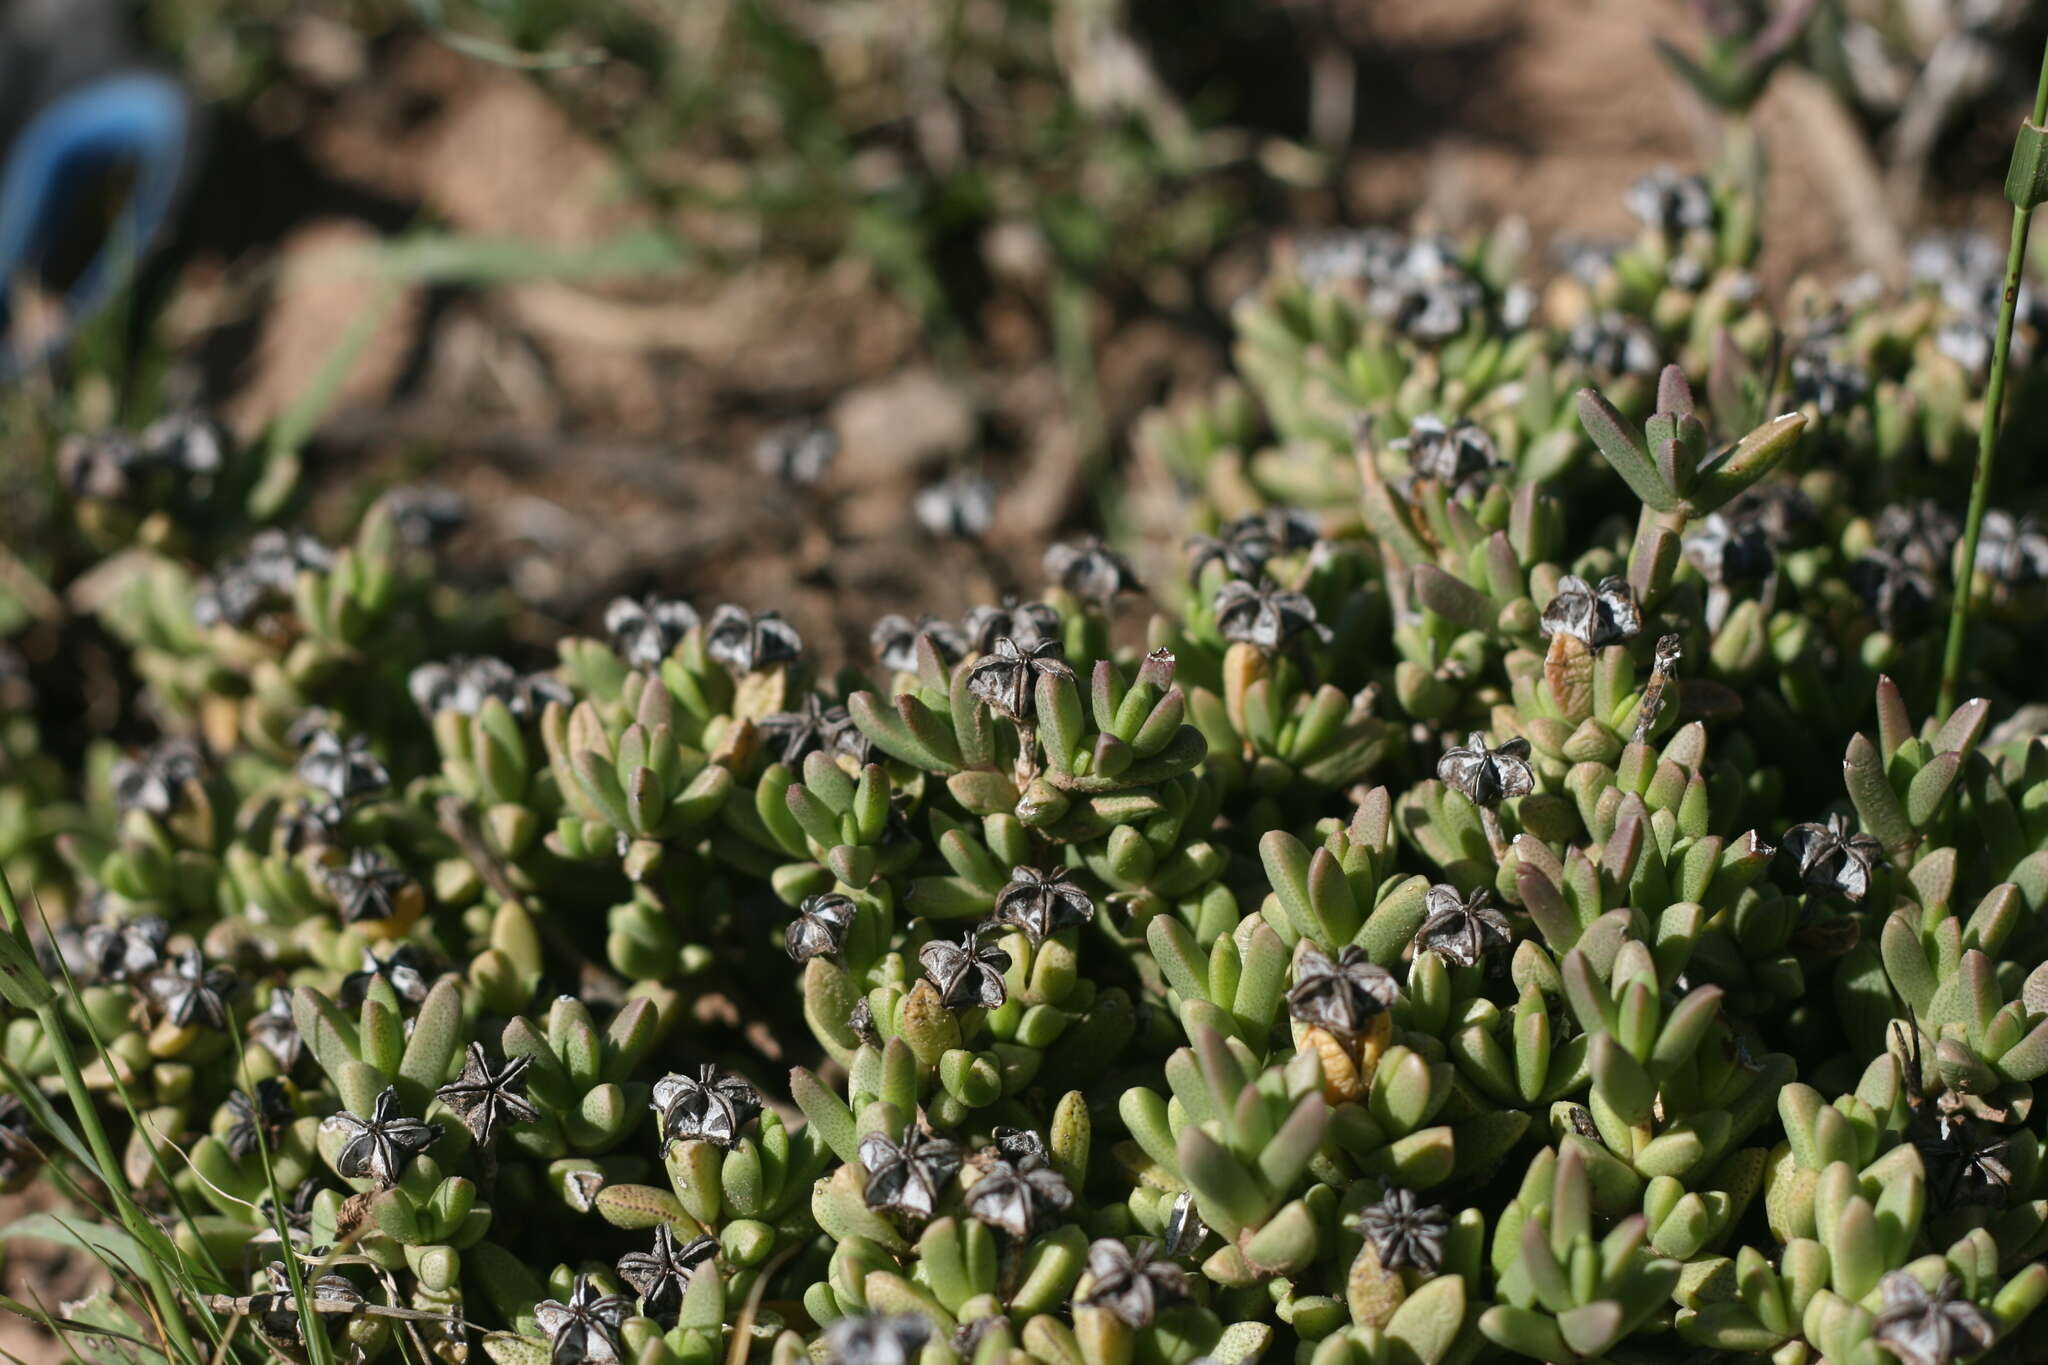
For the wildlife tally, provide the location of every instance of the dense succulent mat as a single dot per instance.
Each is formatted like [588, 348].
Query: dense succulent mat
[1446, 936]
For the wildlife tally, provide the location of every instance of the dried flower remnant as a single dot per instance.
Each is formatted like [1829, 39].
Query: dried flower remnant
[907, 1175]
[1462, 929]
[277, 1032]
[895, 638]
[344, 771]
[403, 969]
[1730, 549]
[258, 1118]
[877, 1339]
[820, 926]
[967, 974]
[1668, 202]
[124, 950]
[1422, 290]
[2013, 550]
[1405, 1233]
[189, 993]
[1341, 995]
[425, 515]
[154, 782]
[1930, 1328]
[1268, 618]
[368, 888]
[266, 573]
[812, 726]
[381, 1146]
[1833, 858]
[1966, 268]
[747, 642]
[1006, 677]
[961, 507]
[1026, 624]
[1019, 1199]
[1898, 593]
[1091, 571]
[1461, 458]
[1922, 533]
[798, 454]
[1130, 1282]
[1042, 903]
[1246, 544]
[646, 630]
[586, 1329]
[661, 1275]
[463, 685]
[1487, 776]
[1611, 343]
[1968, 1163]
[487, 1096]
[1830, 385]
[712, 1106]
[1594, 616]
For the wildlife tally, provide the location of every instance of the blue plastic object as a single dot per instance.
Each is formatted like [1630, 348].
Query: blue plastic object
[137, 122]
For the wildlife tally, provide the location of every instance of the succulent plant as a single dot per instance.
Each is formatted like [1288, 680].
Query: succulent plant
[1407, 945]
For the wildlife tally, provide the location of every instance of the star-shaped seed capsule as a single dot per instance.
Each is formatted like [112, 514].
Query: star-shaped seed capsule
[1594, 616]
[1042, 903]
[1485, 775]
[712, 1106]
[1404, 1232]
[381, 1146]
[819, 929]
[125, 950]
[967, 973]
[1462, 929]
[258, 1119]
[585, 1330]
[1006, 677]
[488, 1097]
[1266, 617]
[1339, 995]
[661, 1275]
[877, 1339]
[368, 888]
[191, 993]
[746, 641]
[908, 1174]
[277, 1032]
[1923, 1328]
[1026, 623]
[343, 771]
[1131, 1282]
[1018, 1199]
[1090, 570]
[895, 638]
[1833, 857]
[646, 630]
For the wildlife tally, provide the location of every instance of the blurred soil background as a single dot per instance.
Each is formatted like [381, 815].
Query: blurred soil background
[979, 236]
[577, 260]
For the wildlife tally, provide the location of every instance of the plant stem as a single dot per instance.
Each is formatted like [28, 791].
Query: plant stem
[1987, 433]
[169, 1309]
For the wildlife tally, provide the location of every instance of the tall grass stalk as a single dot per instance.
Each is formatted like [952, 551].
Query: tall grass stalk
[38, 996]
[1987, 433]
